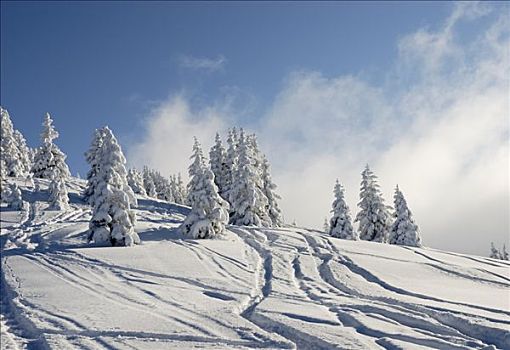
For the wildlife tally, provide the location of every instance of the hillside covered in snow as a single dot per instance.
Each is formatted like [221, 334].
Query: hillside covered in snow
[273, 288]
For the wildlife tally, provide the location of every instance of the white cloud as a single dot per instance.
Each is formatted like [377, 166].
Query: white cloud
[168, 138]
[438, 127]
[202, 63]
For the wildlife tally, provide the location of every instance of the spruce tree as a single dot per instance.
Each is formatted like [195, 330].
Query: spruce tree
[15, 156]
[340, 225]
[209, 212]
[218, 162]
[494, 252]
[148, 183]
[93, 158]
[112, 219]
[231, 159]
[504, 253]
[269, 188]
[249, 204]
[373, 217]
[195, 173]
[135, 181]
[59, 199]
[404, 230]
[49, 159]
[14, 198]
[325, 225]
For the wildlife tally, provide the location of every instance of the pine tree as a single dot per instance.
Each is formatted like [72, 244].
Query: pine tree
[268, 188]
[325, 225]
[195, 173]
[209, 212]
[404, 230]
[49, 158]
[92, 157]
[14, 198]
[340, 225]
[148, 183]
[494, 252]
[15, 156]
[231, 159]
[504, 253]
[249, 204]
[180, 193]
[373, 217]
[135, 181]
[112, 219]
[59, 199]
[218, 162]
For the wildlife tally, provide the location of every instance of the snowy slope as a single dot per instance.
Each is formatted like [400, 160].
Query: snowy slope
[255, 288]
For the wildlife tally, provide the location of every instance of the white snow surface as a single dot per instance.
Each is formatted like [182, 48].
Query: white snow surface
[266, 288]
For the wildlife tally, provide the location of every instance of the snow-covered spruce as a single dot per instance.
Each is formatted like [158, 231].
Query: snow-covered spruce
[249, 204]
[404, 230]
[231, 159]
[59, 199]
[15, 156]
[112, 219]
[92, 156]
[218, 162]
[494, 252]
[148, 182]
[340, 225]
[269, 188]
[14, 198]
[374, 216]
[325, 225]
[49, 158]
[209, 212]
[195, 173]
[135, 181]
[178, 189]
[504, 254]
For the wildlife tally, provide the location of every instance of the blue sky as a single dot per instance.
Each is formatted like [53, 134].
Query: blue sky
[91, 63]
[417, 89]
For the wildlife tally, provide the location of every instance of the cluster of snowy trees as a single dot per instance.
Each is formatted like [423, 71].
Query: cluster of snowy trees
[374, 217]
[46, 162]
[151, 183]
[236, 187]
[498, 254]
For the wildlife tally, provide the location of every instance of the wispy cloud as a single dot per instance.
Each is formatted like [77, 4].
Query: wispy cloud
[438, 127]
[202, 63]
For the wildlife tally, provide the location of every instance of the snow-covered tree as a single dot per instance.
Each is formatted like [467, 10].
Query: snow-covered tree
[269, 188]
[374, 216]
[340, 225]
[15, 156]
[249, 204]
[325, 225]
[148, 183]
[14, 198]
[49, 158]
[135, 181]
[218, 162]
[59, 199]
[112, 219]
[231, 159]
[93, 158]
[404, 230]
[178, 189]
[504, 253]
[209, 212]
[494, 252]
[195, 171]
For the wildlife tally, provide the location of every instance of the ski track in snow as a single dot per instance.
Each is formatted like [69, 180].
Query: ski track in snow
[255, 288]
